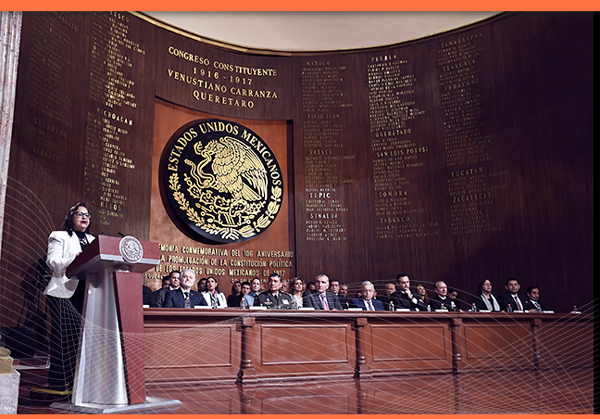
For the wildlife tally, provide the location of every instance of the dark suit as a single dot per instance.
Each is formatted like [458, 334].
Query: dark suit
[148, 298]
[377, 304]
[530, 305]
[281, 301]
[438, 303]
[505, 299]
[160, 296]
[234, 300]
[386, 302]
[314, 300]
[345, 302]
[175, 299]
[401, 300]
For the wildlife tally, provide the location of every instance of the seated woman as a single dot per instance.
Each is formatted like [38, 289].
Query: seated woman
[485, 300]
[213, 297]
[297, 288]
[236, 295]
[422, 297]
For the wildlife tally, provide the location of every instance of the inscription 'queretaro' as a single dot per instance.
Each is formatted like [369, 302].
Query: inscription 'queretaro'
[220, 182]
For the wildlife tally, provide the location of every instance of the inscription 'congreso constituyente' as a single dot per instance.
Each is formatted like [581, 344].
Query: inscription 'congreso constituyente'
[220, 182]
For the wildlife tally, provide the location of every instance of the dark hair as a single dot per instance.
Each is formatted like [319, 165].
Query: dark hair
[217, 290]
[68, 222]
[512, 279]
[233, 288]
[480, 286]
[166, 278]
[275, 275]
[173, 272]
[335, 280]
[293, 282]
[246, 283]
[531, 288]
[400, 275]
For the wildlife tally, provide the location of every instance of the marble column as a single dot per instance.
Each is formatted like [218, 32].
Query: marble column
[10, 40]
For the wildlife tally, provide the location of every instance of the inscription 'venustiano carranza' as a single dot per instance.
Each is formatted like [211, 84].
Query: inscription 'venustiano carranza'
[222, 182]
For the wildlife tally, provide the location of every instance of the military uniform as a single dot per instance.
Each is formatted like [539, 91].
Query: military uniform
[282, 300]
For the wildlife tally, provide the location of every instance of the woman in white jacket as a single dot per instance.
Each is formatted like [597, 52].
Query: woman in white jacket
[214, 298]
[65, 296]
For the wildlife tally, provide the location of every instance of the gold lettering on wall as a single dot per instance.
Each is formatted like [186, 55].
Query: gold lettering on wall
[467, 140]
[110, 123]
[399, 155]
[326, 155]
[222, 83]
[240, 265]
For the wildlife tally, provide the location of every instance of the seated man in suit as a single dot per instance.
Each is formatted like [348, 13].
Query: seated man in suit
[404, 298]
[161, 294]
[454, 296]
[390, 288]
[532, 304]
[440, 300]
[321, 299]
[274, 297]
[147, 297]
[334, 286]
[512, 296]
[343, 297]
[366, 300]
[185, 297]
[166, 281]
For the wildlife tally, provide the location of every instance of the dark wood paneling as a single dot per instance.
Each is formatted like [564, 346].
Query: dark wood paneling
[283, 345]
[211, 79]
[286, 344]
[501, 137]
[192, 355]
[568, 344]
[82, 132]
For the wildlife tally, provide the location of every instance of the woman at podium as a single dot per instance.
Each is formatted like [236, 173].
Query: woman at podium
[64, 296]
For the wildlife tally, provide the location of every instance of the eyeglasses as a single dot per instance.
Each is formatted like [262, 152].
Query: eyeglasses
[83, 214]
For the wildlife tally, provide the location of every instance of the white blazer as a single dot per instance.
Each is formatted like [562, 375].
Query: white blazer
[220, 297]
[62, 250]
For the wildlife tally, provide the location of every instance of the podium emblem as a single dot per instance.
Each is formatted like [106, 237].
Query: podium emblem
[131, 249]
[220, 181]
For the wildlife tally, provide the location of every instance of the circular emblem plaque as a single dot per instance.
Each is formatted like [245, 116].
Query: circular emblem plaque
[131, 249]
[220, 182]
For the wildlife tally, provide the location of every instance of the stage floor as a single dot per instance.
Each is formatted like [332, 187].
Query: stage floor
[557, 391]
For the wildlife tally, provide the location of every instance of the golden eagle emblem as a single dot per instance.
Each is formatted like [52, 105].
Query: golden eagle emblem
[230, 193]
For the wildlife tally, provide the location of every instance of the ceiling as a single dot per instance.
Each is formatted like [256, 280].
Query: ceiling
[316, 31]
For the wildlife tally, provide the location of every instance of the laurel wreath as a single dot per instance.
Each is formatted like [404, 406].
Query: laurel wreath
[183, 203]
[227, 233]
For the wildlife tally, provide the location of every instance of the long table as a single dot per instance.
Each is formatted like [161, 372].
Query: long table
[233, 345]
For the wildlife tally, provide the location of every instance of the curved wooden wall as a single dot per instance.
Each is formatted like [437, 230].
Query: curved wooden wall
[455, 157]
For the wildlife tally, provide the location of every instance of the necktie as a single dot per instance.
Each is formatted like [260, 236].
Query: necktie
[370, 305]
[188, 303]
[324, 300]
[519, 306]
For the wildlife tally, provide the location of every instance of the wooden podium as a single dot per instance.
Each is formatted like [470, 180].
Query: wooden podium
[110, 367]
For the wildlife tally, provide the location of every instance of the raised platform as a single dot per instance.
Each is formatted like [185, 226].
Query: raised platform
[230, 345]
